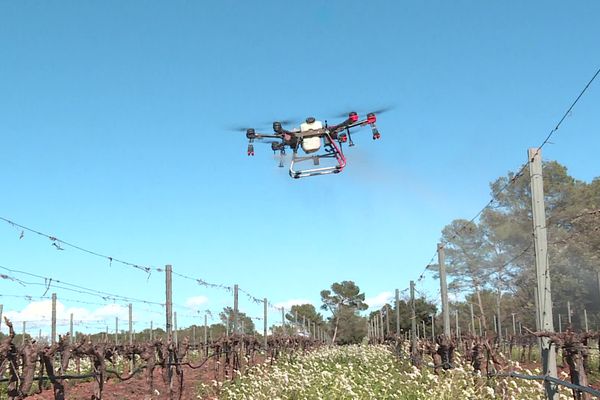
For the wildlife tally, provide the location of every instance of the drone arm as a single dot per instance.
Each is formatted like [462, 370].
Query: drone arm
[347, 125]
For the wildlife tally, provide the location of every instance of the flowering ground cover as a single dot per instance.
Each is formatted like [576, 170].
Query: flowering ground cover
[369, 372]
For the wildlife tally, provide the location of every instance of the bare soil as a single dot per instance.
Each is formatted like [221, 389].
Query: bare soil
[136, 388]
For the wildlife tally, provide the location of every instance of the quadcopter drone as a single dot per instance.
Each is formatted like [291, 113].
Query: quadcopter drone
[317, 142]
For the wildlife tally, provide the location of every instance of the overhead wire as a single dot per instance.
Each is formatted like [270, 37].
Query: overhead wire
[520, 172]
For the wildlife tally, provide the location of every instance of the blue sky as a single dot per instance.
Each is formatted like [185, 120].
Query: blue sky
[113, 128]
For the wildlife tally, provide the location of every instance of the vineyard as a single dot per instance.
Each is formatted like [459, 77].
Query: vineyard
[146, 253]
[161, 369]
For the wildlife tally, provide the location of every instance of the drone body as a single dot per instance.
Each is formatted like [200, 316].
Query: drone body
[313, 141]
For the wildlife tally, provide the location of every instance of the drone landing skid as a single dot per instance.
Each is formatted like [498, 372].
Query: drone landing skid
[332, 151]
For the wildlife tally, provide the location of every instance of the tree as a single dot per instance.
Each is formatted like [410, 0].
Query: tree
[496, 253]
[467, 252]
[352, 328]
[245, 323]
[304, 312]
[423, 311]
[342, 297]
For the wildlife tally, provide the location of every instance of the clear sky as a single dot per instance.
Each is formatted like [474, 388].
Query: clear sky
[113, 129]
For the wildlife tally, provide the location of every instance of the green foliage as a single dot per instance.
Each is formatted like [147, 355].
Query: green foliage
[306, 311]
[497, 253]
[423, 311]
[245, 323]
[344, 301]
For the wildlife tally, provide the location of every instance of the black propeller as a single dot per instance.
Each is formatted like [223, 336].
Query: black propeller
[380, 110]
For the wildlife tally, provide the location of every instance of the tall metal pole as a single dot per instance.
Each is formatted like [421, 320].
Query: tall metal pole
[413, 320]
[151, 330]
[265, 322]
[542, 269]
[585, 320]
[397, 312]
[116, 331]
[444, 289]
[569, 312]
[169, 300]
[235, 309]
[24, 330]
[53, 329]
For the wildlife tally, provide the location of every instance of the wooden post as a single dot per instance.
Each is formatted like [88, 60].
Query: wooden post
[387, 319]
[498, 318]
[53, 329]
[585, 319]
[206, 334]
[559, 323]
[472, 319]
[520, 328]
[130, 324]
[569, 313]
[265, 303]
[397, 312]
[456, 324]
[175, 328]
[542, 269]
[235, 309]
[444, 290]
[413, 321]
[169, 300]
[382, 326]
[71, 329]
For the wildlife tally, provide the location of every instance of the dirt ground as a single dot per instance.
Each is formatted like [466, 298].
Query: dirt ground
[136, 388]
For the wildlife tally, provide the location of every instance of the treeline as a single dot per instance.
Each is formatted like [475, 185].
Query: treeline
[491, 262]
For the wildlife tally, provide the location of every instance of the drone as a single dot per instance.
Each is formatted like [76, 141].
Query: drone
[313, 143]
